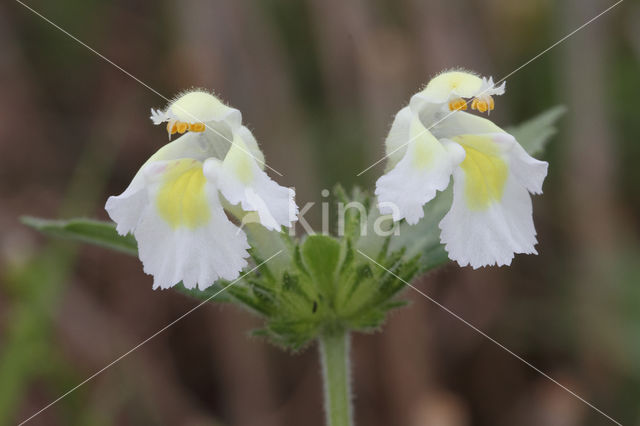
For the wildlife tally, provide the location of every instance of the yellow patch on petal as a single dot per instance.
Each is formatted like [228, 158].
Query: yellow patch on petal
[181, 199]
[485, 171]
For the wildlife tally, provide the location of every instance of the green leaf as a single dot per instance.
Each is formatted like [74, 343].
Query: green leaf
[96, 232]
[534, 133]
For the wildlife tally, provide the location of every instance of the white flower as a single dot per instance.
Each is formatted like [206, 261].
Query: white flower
[173, 205]
[491, 216]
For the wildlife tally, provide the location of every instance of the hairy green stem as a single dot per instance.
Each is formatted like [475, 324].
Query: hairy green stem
[336, 375]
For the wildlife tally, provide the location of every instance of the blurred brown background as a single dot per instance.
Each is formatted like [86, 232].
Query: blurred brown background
[318, 82]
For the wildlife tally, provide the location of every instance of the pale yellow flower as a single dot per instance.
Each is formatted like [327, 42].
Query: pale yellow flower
[432, 139]
[173, 205]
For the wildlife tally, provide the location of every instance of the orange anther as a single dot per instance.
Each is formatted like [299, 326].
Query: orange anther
[483, 105]
[182, 127]
[197, 127]
[171, 128]
[458, 105]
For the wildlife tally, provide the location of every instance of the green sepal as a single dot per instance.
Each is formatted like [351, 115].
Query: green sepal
[320, 255]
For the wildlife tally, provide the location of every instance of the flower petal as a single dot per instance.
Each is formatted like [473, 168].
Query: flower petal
[425, 168]
[202, 107]
[491, 236]
[124, 209]
[528, 171]
[396, 142]
[458, 123]
[183, 233]
[251, 145]
[241, 180]
[491, 215]
[451, 84]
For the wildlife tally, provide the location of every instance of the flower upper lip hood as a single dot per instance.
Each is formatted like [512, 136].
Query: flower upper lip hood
[433, 139]
[454, 87]
[200, 106]
[173, 206]
[194, 111]
[447, 85]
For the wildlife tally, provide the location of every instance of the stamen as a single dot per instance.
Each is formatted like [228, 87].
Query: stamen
[458, 104]
[181, 126]
[483, 105]
[197, 127]
[174, 127]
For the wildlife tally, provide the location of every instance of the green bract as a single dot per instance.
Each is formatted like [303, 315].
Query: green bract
[326, 285]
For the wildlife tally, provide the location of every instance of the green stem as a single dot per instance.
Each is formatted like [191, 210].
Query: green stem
[336, 375]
